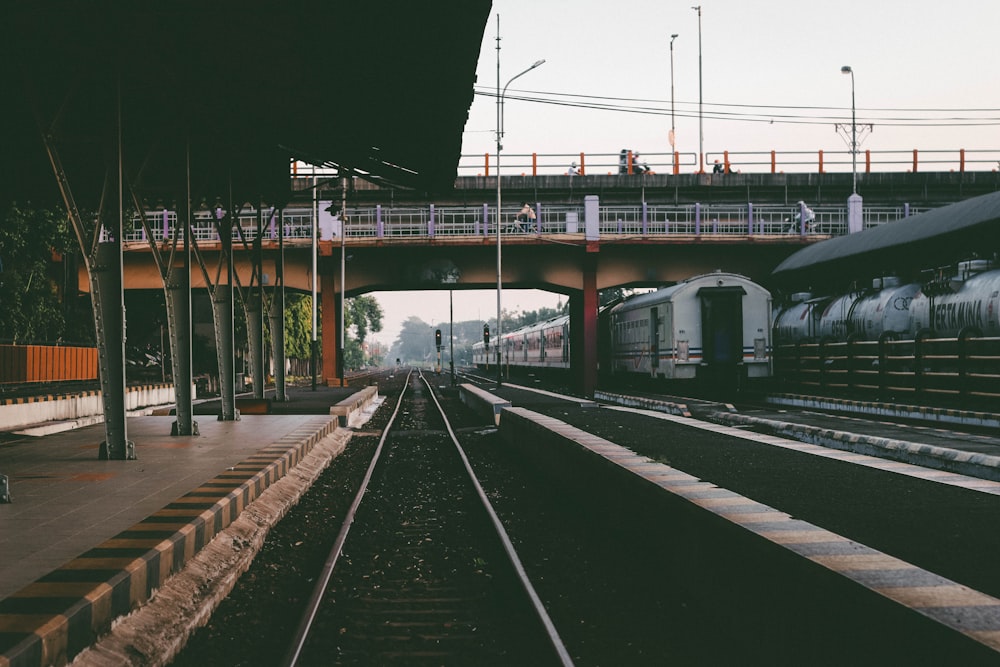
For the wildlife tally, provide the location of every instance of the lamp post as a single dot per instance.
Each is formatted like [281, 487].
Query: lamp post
[673, 128]
[846, 69]
[701, 126]
[500, 96]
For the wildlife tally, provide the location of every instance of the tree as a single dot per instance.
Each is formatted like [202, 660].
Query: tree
[298, 325]
[362, 314]
[33, 245]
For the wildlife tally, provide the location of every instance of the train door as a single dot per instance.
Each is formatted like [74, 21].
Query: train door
[654, 340]
[722, 334]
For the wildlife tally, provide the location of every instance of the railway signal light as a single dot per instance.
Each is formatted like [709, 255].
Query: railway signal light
[486, 334]
[437, 338]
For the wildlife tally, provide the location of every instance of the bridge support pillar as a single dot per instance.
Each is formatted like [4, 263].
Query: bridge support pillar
[583, 330]
[331, 330]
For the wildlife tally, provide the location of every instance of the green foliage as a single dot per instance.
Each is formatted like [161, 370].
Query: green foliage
[298, 325]
[33, 244]
[363, 314]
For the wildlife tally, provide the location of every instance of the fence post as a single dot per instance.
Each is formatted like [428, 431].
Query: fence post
[821, 160]
[914, 160]
[534, 164]
[677, 163]
[538, 217]
[486, 220]
[583, 168]
[961, 160]
[868, 161]
[645, 219]
[379, 223]
[487, 156]
[749, 218]
[697, 219]
[774, 163]
[725, 161]
[430, 222]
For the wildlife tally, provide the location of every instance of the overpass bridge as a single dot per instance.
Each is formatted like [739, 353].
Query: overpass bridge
[572, 248]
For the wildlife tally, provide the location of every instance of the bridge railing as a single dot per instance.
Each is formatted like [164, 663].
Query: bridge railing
[454, 221]
[774, 162]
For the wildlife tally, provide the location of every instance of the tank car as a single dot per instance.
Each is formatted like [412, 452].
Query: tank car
[798, 321]
[967, 304]
[882, 310]
[714, 326]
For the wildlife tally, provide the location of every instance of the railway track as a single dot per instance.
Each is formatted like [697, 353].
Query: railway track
[421, 578]
[422, 570]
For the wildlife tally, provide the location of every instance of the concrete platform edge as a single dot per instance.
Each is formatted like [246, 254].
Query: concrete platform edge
[732, 549]
[116, 577]
[982, 466]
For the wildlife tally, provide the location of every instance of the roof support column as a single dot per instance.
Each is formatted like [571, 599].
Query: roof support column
[178, 292]
[222, 312]
[277, 314]
[331, 332]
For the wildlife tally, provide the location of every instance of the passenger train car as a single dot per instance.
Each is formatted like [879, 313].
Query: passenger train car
[714, 326]
[540, 345]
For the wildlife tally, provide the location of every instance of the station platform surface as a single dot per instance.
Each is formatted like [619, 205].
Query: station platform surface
[83, 540]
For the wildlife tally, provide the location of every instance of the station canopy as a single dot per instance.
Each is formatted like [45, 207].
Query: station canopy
[908, 246]
[379, 88]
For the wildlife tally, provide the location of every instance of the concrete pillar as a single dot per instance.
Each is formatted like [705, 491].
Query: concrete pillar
[855, 215]
[331, 329]
[255, 338]
[105, 271]
[583, 329]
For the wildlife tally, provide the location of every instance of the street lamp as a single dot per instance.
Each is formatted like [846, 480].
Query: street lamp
[701, 130]
[500, 96]
[673, 133]
[846, 69]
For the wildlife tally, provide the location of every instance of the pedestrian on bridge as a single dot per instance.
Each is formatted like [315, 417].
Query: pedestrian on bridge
[526, 217]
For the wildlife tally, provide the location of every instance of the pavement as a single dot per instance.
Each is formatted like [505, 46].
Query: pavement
[84, 541]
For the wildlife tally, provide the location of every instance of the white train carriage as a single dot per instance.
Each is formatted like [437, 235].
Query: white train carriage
[711, 326]
[480, 354]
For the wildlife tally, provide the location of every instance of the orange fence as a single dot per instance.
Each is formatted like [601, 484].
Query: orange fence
[46, 363]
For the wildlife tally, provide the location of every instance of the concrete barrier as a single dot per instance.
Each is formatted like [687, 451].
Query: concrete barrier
[482, 402]
[794, 590]
[356, 402]
[37, 410]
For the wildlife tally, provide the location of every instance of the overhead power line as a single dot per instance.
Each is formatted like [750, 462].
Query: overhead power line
[770, 114]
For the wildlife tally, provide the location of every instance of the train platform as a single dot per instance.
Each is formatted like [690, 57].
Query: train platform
[920, 435]
[84, 541]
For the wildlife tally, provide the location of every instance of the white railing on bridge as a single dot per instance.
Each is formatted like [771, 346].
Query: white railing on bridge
[382, 222]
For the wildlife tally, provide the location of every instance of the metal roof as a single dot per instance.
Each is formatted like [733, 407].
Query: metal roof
[380, 87]
[924, 241]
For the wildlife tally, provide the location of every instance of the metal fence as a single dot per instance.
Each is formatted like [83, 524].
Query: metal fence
[480, 220]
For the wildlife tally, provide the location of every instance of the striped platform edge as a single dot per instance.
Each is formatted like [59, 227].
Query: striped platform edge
[52, 619]
[41, 398]
[938, 616]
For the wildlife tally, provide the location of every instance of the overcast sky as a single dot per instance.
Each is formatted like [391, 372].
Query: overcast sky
[925, 77]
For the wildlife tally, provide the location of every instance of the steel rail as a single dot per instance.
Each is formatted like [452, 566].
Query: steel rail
[312, 606]
[529, 589]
